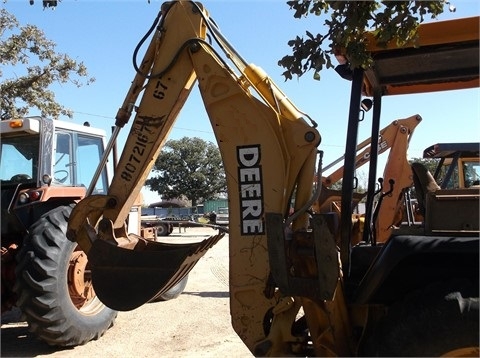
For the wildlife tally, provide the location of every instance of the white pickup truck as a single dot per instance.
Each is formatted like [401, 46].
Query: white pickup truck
[222, 216]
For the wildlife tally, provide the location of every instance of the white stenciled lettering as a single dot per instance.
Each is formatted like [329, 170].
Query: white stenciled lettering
[250, 190]
[248, 156]
[249, 175]
[252, 226]
[251, 208]
[382, 146]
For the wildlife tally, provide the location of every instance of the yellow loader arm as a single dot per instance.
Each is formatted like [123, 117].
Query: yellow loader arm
[269, 150]
[397, 176]
[387, 139]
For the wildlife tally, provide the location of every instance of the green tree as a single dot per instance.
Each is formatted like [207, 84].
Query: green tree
[429, 163]
[188, 167]
[30, 65]
[346, 27]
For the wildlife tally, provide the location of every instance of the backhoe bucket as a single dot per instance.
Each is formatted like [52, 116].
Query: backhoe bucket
[124, 279]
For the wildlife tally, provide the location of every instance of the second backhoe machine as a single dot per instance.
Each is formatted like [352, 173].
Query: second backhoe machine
[298, 285]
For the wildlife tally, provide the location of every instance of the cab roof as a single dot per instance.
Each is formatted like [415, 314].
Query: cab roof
[446, 58]
[451, 150]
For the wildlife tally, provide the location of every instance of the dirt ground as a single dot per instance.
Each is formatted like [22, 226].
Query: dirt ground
[196, 324]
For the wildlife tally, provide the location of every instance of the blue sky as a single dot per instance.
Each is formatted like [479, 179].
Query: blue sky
[103, 35]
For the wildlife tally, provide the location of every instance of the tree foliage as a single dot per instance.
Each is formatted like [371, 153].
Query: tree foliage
[346, 27]
[429, 163]
[188, 167]
[33, 66]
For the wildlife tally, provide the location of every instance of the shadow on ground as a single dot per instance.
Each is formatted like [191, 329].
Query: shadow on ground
[16, 338]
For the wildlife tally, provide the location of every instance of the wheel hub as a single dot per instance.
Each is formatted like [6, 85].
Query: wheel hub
[79, 279]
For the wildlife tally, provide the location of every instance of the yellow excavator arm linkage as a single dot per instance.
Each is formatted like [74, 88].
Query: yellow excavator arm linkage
[386, 140]
[397, 177]
[289, 294]
[394, 137]
[262, 138]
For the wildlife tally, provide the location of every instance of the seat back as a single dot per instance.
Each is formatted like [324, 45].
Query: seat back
[424, 183]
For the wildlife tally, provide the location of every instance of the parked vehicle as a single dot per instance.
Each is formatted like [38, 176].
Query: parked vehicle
[222, 216]
[46, 167]
[458, 164]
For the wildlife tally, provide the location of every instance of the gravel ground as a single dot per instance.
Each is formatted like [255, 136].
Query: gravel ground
[196, 324]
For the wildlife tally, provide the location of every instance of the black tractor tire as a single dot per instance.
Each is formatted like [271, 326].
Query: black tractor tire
[439, 320]
[174, 292]
[55, 313]
[163, 230]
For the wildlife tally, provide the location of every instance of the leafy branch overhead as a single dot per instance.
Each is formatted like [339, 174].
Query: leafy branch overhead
[345, 30]
[30, 65]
